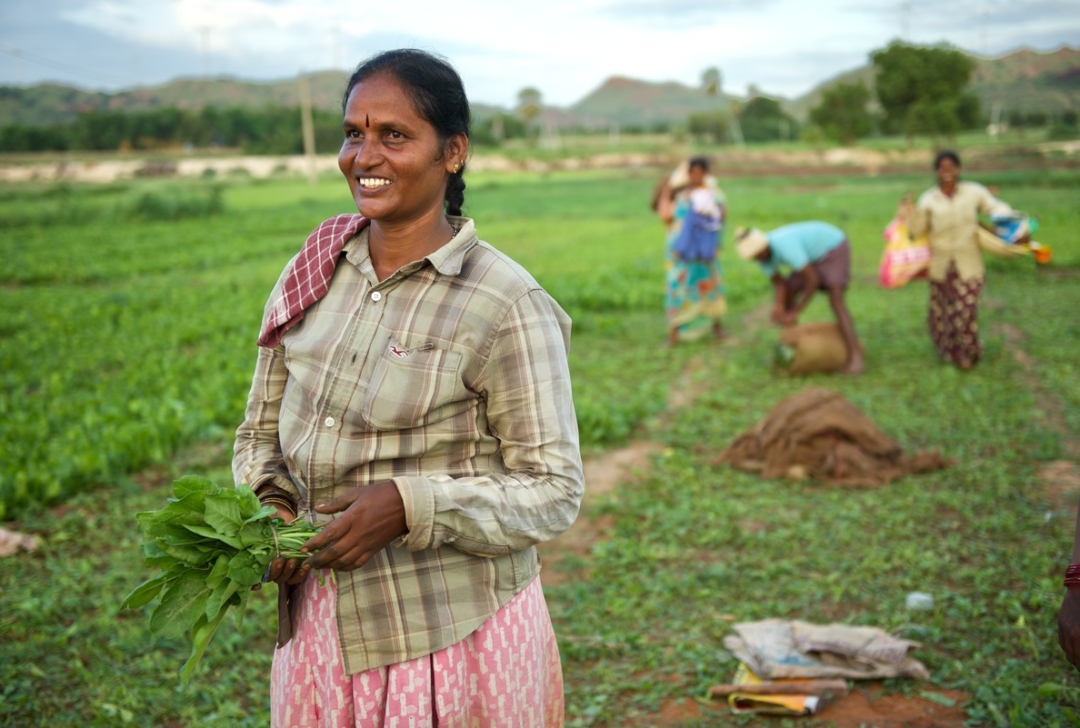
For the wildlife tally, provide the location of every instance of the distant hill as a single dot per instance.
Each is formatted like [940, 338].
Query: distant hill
[1030, 81]
[630, 102]
[1025, 80]
[799, 107]
[51, 103]
[46, 104]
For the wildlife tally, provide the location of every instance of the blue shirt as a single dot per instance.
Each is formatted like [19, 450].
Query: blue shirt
[801, 243]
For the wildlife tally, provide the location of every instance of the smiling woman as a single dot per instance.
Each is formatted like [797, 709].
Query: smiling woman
[412, 392]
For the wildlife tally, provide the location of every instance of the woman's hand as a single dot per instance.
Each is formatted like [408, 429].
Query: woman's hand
[1069, 626]
[280, 570]
[372, 517]
[788, 318]
[783, 317]
[906, 208]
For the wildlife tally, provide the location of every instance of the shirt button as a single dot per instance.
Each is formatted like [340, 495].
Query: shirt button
[329, 422]
[376, 296]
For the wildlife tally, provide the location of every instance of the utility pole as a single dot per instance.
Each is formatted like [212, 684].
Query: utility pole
[307, 127]
[335, 48]
[205, 33]
[985, 44]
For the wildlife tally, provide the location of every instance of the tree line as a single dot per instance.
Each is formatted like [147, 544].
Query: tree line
[917, 90]
[270, 130]
[267, 130]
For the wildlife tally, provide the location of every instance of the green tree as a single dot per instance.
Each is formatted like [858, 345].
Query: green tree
[712, 85]
[714, 126]
[763, 120]
[921, 89]
[842, 114]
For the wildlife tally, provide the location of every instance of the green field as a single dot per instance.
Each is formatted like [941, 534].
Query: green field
[127, 343]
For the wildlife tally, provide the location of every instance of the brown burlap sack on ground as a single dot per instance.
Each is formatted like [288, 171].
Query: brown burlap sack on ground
[818, 434]
[817, 347]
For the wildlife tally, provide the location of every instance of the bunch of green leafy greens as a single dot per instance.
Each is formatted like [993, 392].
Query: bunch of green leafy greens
[212, 544]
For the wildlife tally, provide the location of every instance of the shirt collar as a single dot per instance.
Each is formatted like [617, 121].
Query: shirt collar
[447, 260]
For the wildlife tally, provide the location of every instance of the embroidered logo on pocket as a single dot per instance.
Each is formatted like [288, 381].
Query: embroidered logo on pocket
[401, 352]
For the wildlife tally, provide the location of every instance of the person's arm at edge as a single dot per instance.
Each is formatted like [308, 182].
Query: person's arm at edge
[917, 217]
[811, 280]
[1069, 613]
[779, 284]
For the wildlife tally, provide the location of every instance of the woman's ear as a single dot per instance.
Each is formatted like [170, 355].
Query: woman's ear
[457, 152]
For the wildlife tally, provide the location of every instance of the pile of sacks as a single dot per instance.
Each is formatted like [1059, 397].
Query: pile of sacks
[819, 434]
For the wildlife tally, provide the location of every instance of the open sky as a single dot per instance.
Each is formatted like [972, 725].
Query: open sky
[564, 48]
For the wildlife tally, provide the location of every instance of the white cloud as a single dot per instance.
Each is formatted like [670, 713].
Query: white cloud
[567, 48]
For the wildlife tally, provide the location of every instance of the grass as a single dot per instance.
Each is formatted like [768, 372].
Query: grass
[126, 360]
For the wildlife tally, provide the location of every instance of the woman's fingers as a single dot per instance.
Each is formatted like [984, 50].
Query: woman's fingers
[336, 505]
[340, 558]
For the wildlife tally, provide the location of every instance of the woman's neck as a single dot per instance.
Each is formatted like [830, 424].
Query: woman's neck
[393, 246]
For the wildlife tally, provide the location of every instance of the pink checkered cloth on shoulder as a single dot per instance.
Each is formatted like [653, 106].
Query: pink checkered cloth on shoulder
[308, 279]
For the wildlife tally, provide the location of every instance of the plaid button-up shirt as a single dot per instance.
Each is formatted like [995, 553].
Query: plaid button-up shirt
[450, 378]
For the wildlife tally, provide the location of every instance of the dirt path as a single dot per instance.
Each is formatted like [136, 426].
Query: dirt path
[868, 705]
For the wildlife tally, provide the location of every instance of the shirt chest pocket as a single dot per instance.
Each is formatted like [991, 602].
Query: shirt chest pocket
[415, 389]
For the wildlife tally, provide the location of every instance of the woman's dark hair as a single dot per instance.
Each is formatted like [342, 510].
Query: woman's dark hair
[946, 154]
[702, 162]
[437, 94]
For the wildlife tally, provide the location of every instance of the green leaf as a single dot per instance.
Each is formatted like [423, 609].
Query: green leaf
[937, 698]
[212, 533]
[156, 557]
[223, 513]
[252, 534]
[188, 509]
[239, 602]
[182, 604]
[219, 597]
[247, 569]
[249, 502]
[192, 484]
[201, 633]
[145, 592]
[219, 572]
[189, 535]
[190, 555]
[264, 513]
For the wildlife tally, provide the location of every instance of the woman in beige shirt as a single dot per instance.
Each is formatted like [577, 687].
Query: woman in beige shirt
[949, 215]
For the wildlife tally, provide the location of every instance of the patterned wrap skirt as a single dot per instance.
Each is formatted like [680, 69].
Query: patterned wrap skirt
[506, 673]
[953, 317]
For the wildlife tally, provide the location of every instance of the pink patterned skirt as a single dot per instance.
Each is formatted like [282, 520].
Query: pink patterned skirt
[506, 673]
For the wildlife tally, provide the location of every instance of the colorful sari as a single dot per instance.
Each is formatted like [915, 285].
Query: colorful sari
[694, 299]
[953, 317]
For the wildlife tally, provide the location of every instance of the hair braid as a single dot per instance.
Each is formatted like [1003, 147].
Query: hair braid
[455, 192]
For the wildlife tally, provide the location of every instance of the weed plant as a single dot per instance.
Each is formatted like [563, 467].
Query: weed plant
[125, 359]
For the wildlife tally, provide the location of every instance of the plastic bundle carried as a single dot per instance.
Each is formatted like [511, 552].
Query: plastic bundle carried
[1014, 229]
[1018, 229]
[905, 258]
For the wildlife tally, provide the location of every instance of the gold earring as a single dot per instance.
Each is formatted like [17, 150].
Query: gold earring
[457, 166]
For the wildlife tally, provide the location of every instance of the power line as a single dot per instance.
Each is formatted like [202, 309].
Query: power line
[54, 65]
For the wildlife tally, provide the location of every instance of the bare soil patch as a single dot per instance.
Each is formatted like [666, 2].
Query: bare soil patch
[867, 706]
